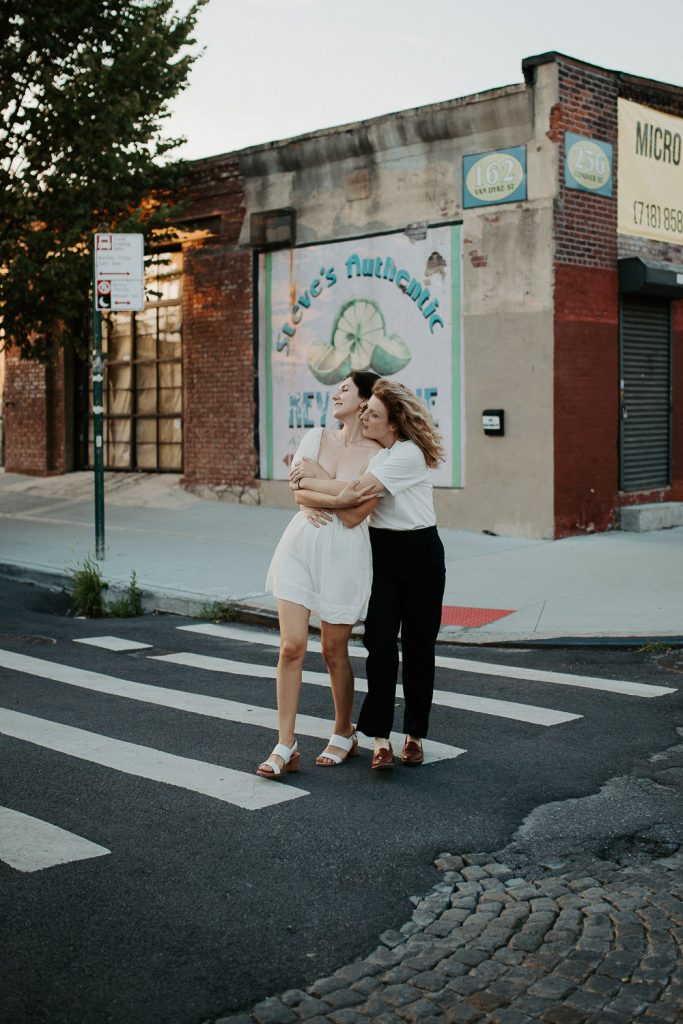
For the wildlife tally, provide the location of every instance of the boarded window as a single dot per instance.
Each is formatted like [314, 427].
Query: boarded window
[143, 378]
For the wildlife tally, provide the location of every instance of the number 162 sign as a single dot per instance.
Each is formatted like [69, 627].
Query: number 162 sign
[493, 178]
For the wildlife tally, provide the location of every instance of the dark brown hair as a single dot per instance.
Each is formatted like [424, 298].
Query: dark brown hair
[364, 381]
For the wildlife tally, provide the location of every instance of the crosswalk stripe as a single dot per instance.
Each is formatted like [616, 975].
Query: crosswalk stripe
[30, 844]
[620, 686]
[112, 643]
[533, 675]
[232, 787]
[461, 701]
[195, 703]
[255, 636]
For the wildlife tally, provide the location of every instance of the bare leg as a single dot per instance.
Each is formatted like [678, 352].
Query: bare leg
[293, 641]
[335, 644]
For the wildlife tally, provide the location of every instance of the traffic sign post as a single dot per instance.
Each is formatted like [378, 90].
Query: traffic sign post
[119, 272]
[118, 285]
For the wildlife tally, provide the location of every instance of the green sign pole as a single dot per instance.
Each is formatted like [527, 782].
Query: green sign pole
[97, 421]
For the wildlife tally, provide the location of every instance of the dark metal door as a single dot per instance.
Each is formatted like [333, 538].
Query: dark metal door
[645, 371]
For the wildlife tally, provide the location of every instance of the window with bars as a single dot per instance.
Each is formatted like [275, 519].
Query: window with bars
[142, 387]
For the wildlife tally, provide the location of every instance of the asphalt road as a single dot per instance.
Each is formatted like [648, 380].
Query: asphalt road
[201, 907]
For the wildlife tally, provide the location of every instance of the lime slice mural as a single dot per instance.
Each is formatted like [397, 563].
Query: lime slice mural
[359, 326]
[390, 356]
[359, 342]
[328, 364]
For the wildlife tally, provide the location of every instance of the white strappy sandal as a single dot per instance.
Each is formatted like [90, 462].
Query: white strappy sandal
[271, 769]
[349, 744]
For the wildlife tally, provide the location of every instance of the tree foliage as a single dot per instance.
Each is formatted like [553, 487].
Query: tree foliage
[85, 87]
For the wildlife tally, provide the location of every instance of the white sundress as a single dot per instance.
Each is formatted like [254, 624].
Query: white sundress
[327, 569]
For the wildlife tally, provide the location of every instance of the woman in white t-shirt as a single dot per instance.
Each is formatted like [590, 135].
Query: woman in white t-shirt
[408, 567]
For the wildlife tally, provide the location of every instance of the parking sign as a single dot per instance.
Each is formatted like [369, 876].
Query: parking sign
[119, 272]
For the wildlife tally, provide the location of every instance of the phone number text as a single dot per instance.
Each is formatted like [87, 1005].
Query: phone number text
[652, 215]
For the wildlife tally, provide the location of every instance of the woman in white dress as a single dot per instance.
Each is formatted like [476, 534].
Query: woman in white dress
[327, 571]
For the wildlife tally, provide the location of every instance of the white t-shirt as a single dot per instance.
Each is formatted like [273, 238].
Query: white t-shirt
[405, 475]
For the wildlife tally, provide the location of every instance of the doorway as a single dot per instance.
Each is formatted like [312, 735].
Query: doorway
[645, 392]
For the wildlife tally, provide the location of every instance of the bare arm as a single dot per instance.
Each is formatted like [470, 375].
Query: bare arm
[345, 493]
[352, 517]
[317, 499]
[368, 486]
[319, 485]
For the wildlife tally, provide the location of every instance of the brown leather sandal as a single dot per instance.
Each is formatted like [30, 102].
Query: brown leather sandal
[412, 752]
[383, 757]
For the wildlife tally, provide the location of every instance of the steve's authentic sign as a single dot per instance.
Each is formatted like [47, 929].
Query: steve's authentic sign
[386, 303]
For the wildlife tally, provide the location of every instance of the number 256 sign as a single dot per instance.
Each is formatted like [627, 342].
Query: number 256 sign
[494, 178]
[587, 164]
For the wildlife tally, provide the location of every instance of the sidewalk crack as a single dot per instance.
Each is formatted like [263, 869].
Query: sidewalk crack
[540, 616]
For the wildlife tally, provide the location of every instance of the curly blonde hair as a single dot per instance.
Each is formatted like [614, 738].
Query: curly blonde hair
[411, 418]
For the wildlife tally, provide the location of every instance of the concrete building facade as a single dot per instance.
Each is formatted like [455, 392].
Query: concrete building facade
[515, 256]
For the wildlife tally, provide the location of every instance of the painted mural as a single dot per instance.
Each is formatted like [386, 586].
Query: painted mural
[384, 303]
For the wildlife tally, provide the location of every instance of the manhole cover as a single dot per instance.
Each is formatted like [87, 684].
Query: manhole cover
[19, 639]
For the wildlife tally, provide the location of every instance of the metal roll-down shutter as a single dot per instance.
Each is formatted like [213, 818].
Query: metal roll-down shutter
[645, 355]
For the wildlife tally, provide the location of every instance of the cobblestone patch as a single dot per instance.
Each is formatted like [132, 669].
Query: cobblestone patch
[581, 941]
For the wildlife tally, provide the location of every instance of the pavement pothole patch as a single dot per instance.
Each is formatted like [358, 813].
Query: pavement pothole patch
[638, 849]
[24, 639]
[672, 661]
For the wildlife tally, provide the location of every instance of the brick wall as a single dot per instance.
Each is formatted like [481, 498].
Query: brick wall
[586, 331]
[586, 416]
[218, 333]
[586, 399]
[35, 412]
[25, 415]
[585, 224]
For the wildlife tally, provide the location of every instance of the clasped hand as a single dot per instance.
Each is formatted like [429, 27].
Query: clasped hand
[355, 495]
[305, 468]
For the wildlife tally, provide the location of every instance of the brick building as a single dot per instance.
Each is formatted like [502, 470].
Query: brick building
[515, 256]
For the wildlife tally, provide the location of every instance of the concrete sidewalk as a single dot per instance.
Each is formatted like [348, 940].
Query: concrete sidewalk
[188, 552]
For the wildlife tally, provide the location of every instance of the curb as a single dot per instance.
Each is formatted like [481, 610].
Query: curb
[195, 606]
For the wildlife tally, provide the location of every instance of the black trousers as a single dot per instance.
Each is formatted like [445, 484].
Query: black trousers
[409, 575]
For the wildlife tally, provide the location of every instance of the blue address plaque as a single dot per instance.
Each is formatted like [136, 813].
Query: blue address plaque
[587, 164]
[494, 178]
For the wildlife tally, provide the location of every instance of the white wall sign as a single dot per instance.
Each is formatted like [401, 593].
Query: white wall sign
[650, 203]
[494, 178]
[587, 164]
[384, 303]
